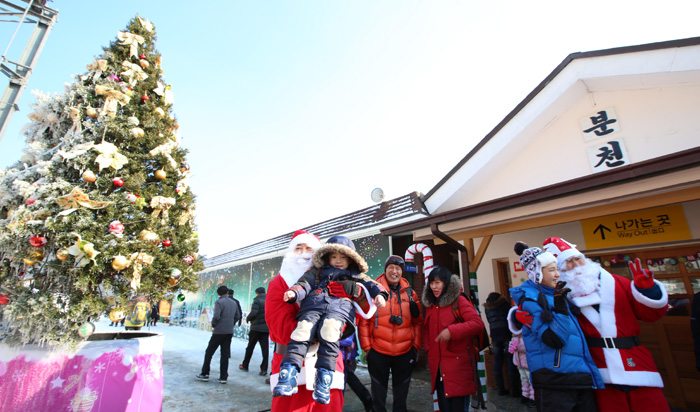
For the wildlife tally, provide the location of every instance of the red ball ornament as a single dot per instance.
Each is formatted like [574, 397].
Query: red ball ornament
[145, 98]
[38, 241]
[30, 202]
[167, 242]
[4, 299]
[143, 56]
[118, 182]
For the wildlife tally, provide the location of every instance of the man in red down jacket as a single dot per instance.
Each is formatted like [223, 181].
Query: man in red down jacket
[392, 338]
[449, 341]
[281, 319]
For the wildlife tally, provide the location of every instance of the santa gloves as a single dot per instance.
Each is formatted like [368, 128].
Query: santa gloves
[643, 278]
[344, 289]
[560, 292]
[523, 316]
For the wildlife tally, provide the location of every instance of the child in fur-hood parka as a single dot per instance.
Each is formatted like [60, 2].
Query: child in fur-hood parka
[327, 312]
[448, 340]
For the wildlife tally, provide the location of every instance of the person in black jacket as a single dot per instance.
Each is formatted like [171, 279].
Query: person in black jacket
[259, 332]
[237, 320]
[496, 308]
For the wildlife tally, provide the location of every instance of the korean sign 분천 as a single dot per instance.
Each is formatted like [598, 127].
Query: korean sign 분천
[661, 224]
[599, 125]
[607, 155]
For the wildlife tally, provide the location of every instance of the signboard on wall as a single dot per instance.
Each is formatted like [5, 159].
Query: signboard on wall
[660, 224]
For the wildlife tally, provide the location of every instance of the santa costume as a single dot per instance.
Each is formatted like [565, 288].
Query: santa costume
[611, 307]
[281, 319]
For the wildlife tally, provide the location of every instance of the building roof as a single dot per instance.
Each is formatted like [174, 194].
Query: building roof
[681, 67]
[374, 217]
[678, 69]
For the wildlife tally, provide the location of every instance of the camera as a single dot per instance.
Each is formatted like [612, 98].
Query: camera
[397, 320]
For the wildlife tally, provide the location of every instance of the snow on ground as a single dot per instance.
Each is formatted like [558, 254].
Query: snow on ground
[183, 354]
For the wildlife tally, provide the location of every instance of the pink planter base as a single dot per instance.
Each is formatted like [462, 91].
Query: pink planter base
[111, 372]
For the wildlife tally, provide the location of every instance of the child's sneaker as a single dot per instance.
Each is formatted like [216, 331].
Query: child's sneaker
[322, 386]
[287, 381]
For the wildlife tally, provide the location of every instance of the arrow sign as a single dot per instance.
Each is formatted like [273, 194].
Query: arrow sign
[601, 228]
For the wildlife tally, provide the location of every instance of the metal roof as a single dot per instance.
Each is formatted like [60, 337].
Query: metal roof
[379, 214]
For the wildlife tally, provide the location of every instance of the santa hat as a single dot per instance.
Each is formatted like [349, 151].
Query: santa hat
[533, 260]
[302, 236]
[562, 249]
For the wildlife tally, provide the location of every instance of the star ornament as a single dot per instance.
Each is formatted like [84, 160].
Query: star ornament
[109, 156]
[57, 383]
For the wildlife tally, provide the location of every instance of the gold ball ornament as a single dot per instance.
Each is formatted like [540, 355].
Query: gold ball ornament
[91, 112]
[89, 176]
[117, 314]
[172, 282]
[144, 64]
[160, 174]
[120, 262]
[137, 132]
[34, 257]
[62, 254]
[160, 112]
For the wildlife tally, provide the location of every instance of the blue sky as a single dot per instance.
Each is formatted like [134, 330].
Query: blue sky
[293, 111]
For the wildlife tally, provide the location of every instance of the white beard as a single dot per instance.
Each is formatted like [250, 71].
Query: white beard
[582, 280]
[294, 265]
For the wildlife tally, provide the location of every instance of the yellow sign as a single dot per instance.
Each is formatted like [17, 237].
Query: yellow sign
[660, 224]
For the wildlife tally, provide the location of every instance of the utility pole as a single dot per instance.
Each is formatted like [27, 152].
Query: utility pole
[31, 12]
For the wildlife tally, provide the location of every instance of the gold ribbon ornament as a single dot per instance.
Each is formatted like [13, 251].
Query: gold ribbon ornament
[131, 40]
[78, 198]
[161, 204]
[139, 260]
[133, 72]
[98, 66]
[165, 150]
[114, 98]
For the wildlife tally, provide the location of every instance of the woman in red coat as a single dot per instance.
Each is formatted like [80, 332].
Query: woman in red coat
[447, 341]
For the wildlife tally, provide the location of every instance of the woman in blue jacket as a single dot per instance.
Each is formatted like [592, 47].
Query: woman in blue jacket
[563, 373]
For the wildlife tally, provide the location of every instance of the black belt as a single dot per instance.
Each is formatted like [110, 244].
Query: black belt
[627, 342]
[280, 349]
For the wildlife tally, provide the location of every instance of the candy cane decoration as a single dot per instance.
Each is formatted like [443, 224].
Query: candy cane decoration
[427, 257]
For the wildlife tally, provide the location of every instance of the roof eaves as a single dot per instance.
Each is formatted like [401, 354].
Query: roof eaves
[693, 41]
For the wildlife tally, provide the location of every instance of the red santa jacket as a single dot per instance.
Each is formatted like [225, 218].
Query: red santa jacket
[281, 319]
[621, 306]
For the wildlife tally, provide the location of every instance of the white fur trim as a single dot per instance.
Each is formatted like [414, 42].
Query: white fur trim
[372, 307]
[546, 258]
[307, 238]
[604, 320]
[511, 324]
[652, 303]
[622, 377]
[588, 300]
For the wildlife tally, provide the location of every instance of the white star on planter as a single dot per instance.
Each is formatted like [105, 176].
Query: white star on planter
[57, 383]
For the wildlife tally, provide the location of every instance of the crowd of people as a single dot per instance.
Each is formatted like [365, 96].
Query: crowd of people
[567, 339]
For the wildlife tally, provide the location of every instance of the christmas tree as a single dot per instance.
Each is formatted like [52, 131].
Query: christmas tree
[98, 210]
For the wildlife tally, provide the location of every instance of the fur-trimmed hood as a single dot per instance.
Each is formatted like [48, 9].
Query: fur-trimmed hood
[501, 300]
[448, 296]
[327, 248]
